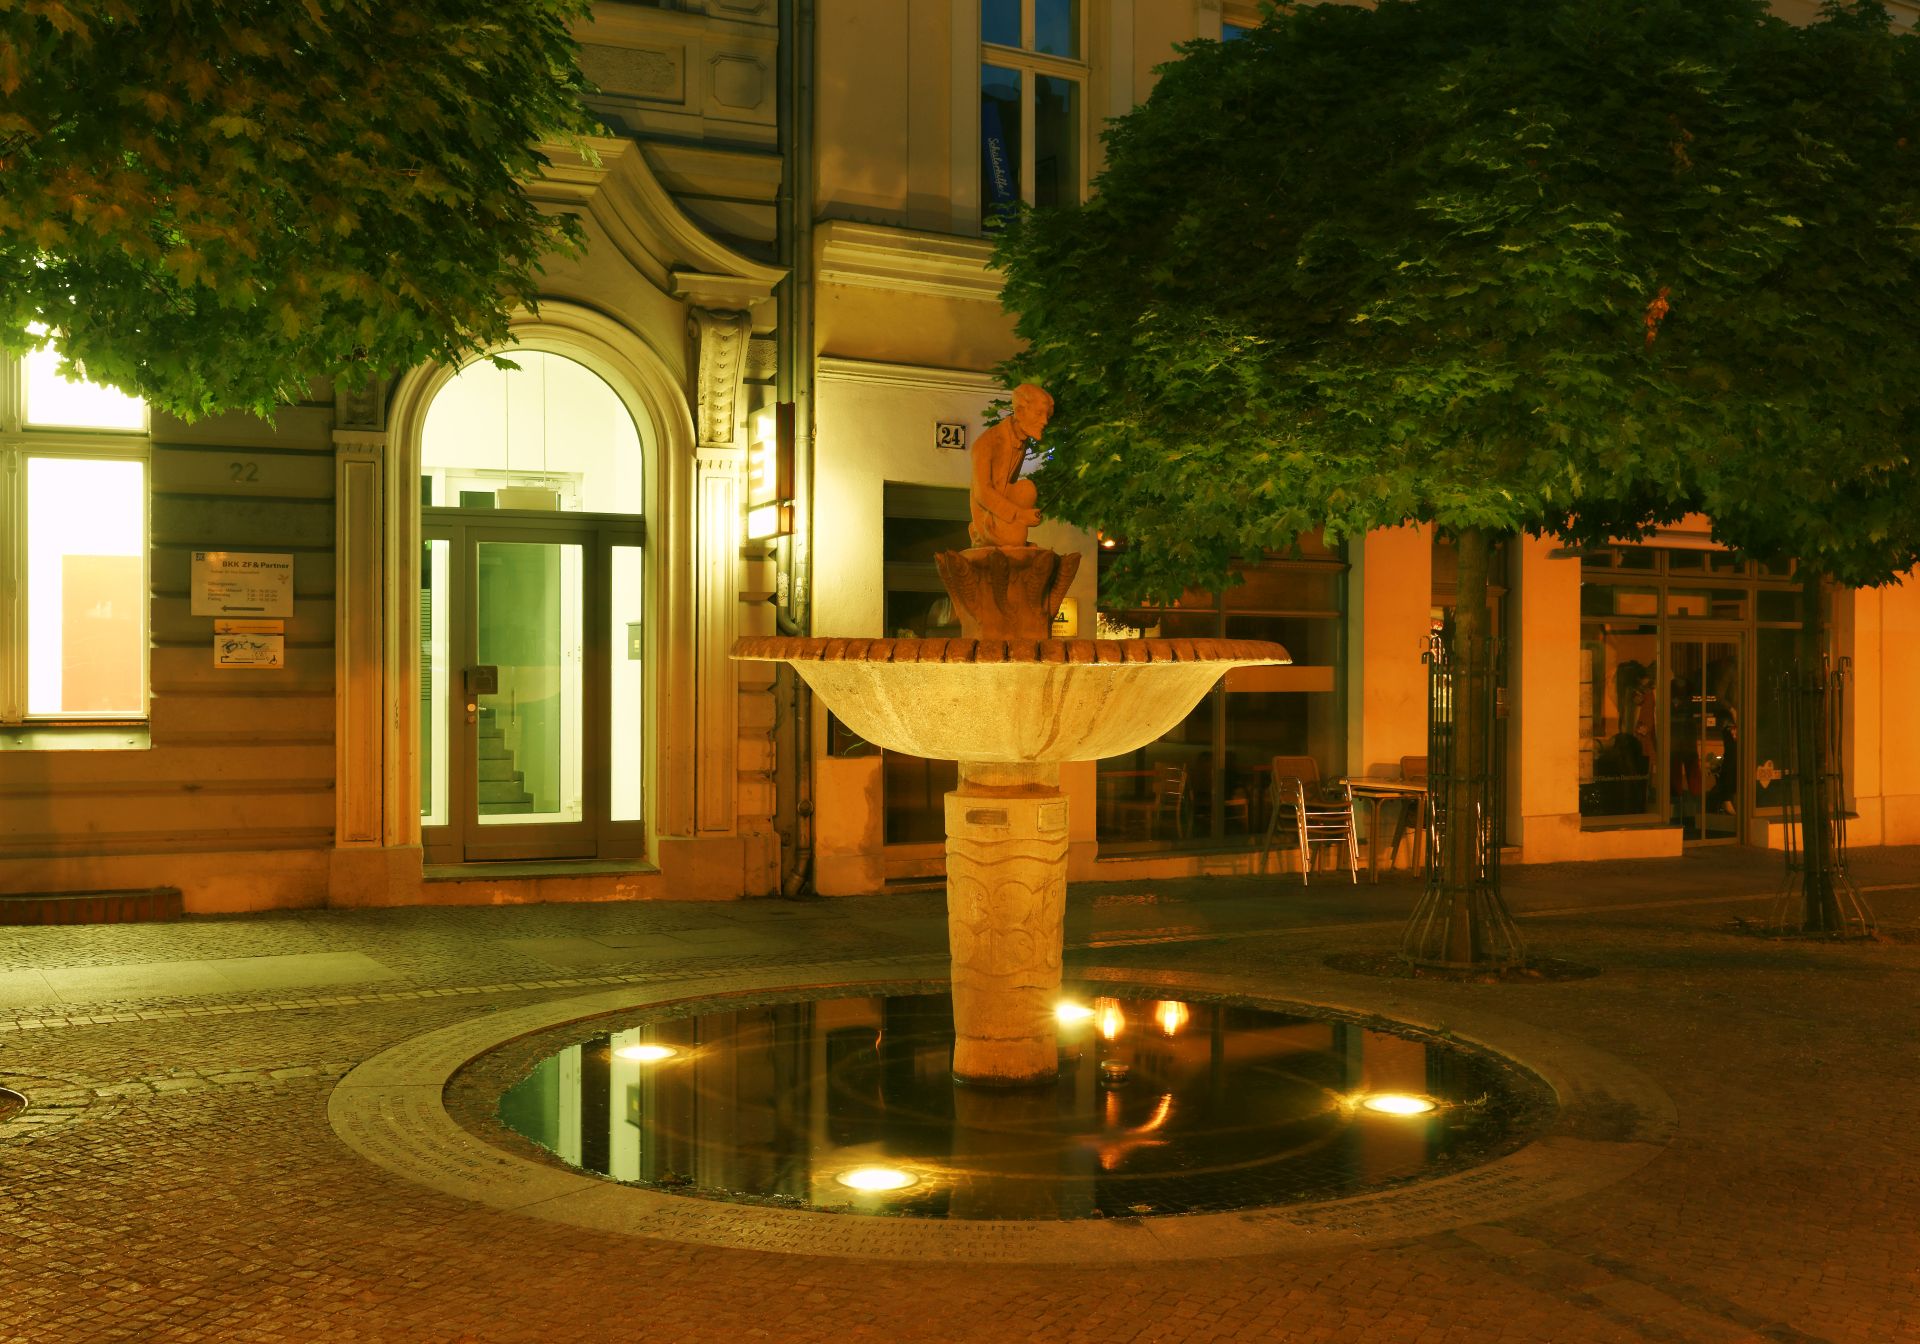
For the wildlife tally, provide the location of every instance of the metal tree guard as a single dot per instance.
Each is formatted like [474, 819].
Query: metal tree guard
[1820, 897]
[1462, 921]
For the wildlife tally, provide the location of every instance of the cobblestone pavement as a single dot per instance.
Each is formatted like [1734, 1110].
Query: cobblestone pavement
[174, 1176]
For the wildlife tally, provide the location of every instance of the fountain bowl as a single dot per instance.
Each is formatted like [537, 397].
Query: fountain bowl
[1014, 701]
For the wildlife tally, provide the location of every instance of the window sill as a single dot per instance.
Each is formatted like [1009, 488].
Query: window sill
[76, 737]
[1626, 824]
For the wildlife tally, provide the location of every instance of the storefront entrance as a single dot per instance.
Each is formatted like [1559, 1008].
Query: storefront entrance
[1705, 712]
[1682, 651]
[532, 643]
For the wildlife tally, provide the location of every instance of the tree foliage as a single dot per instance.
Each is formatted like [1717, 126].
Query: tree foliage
[1567, 265]
[213, 201]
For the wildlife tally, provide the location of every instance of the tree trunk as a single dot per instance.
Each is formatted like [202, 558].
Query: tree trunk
[1817, 803]
[1472, 727]
[1461, 921]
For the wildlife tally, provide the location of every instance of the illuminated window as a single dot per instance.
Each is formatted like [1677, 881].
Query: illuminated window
[1032, 75]
[73, 570]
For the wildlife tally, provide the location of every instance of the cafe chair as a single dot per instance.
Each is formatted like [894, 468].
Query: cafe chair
[1413, 812]
[1315, 820]
[1169, 800]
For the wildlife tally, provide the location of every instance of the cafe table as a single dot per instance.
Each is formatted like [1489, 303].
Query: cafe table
[1375, 793]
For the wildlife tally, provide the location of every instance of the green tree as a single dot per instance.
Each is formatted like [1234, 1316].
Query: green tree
[213, 203]
[1500, 267]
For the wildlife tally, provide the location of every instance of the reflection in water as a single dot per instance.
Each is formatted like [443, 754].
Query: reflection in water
[1160, 1107]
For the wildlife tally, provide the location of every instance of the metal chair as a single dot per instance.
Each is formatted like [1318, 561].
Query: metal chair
[1169, 799]
[1413, 812]
[1315, 819]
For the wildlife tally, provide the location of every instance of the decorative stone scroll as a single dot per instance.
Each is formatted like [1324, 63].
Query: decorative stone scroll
[720, 340]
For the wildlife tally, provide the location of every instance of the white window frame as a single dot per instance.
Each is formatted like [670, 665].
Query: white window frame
[1030, 63]
[18, 442]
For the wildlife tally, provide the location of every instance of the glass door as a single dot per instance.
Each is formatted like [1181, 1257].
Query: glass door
[1707, 718]
[533, 687]
[524, 699]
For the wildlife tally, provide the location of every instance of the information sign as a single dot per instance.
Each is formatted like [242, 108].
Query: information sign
[239, 583]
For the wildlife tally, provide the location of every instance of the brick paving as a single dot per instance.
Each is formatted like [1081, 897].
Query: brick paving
[175, 1178]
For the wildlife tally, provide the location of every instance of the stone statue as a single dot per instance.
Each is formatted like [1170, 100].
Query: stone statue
[1005, 587]
[1002, 502]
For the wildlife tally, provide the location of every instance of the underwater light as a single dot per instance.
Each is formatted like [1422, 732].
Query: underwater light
[876, 1179]
[1397, 1103]
[646, 1054]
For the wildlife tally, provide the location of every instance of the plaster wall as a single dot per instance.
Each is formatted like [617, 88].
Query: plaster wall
[1390, 602]
[1883, 732]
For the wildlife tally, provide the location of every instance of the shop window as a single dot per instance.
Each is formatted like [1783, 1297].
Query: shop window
[73, 590]
[1032, 115]
[1682, 651]
[1204, 783]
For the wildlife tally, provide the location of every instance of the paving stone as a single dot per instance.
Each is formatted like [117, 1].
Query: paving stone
[175, 1177]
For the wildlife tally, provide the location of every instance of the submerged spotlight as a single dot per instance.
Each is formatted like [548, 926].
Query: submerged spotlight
[1397, 1103]
[1068, 1013]
[646, 1054]
[872, 1179]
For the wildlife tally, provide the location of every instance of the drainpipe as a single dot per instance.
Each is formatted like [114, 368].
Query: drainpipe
[793, 595]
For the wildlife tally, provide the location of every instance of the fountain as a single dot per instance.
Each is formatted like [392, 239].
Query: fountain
[1010, 705]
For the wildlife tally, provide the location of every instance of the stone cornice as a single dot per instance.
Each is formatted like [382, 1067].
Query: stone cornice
[905, 261]
[920, 378]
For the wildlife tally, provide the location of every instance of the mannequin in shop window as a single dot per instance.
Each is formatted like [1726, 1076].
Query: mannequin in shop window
[1627, 762]
[1723, 726]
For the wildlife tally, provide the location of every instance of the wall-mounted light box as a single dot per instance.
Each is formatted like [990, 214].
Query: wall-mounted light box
[770, 472]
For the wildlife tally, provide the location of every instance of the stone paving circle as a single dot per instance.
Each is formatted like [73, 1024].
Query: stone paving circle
[1613, 1120]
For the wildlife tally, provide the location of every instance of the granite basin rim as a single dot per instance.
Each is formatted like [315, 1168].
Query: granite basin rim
[1043, 701]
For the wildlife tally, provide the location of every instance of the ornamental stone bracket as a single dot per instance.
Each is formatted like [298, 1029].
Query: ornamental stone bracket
[362, 409]
[720, 341]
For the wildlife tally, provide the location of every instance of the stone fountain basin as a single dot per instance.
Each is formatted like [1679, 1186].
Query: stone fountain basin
[1008, 701]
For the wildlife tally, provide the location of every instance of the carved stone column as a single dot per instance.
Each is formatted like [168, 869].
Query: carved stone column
[721, 340]
[1006, 896]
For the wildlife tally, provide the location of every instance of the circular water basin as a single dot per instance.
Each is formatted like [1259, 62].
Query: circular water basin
[1161, 1106]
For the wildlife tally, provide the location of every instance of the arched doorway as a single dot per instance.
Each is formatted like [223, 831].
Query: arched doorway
[533, 671]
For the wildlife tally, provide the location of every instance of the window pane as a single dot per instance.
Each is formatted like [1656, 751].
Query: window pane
[436, 671]
[1000, 22]
[548, 435]
[1056, 27]
[1056, 142]
[86, 580]
[1619, 711]
[999, 139]
[55, 403]
[1233, 32]
[530, 731]
[1772, 752]
[627, 683]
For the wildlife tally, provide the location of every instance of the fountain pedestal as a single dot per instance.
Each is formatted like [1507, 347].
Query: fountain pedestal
[1006, 896]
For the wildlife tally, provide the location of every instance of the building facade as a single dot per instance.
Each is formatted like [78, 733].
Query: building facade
[481, 654]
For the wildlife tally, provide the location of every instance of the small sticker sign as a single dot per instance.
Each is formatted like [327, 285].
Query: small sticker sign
[243, 650]
[240, 583]
[948, 435]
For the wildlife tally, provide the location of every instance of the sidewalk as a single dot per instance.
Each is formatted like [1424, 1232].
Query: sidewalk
[175, 1176]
